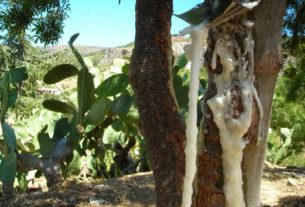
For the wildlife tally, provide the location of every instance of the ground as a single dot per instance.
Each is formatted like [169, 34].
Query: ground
[280, 187]
[283, 187]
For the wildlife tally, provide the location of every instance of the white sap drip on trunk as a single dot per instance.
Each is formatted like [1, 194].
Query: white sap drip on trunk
[232, 129]
[199, 35]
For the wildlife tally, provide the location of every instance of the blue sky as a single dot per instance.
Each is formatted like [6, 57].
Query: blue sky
[105, 23]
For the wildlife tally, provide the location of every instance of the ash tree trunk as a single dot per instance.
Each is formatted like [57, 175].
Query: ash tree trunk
[268, 61]
[151, 79]
[209, 181]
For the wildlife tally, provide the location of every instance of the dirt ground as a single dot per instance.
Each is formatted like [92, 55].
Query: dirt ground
[280, 187]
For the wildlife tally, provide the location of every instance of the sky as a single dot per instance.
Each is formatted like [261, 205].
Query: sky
[105, 23]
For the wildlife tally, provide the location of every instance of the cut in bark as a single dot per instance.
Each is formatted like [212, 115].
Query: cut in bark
[209, 180]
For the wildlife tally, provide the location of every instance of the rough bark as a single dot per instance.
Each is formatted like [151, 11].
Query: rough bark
[267, 64]
[209, 181]
[150, 77]
[268, 17]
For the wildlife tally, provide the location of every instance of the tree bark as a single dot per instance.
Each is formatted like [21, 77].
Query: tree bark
[268, 17]
[151, 79]
[208, 184]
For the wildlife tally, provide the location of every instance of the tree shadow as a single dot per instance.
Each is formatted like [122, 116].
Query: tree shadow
[292, 201]
[130, 190]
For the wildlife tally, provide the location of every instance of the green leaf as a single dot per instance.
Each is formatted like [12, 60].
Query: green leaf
[18, 75]
[131, 130]
[111, 136]
[9, 136]
[131, 122]
[31, 146]
[132, 117]
[279, 154]
[182, 61]
[74, 132]
[202, 87]
[60, 72]
[76, 164]
[8, 168]
[113, 85]
[125, 68]
[117, 125]
[45, 143]
[12, 97]
[203, 83]
[177, 81]
[181, 91]
[4, 95]
[97, 112]
[58, 106]
[121, 105]
[61, 129]
[22, 182]
[270, 146]
[73, 38]
[85, 91]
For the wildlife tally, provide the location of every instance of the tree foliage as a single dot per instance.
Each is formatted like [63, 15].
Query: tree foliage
[294, 24]
[44, 18]
[288, 112]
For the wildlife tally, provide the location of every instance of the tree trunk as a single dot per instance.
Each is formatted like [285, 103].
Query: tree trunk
[209, 181]
[268, 17]
[151, 79]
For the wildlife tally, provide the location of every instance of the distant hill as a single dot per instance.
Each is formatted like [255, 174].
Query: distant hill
[84, 50]
[109, 53]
